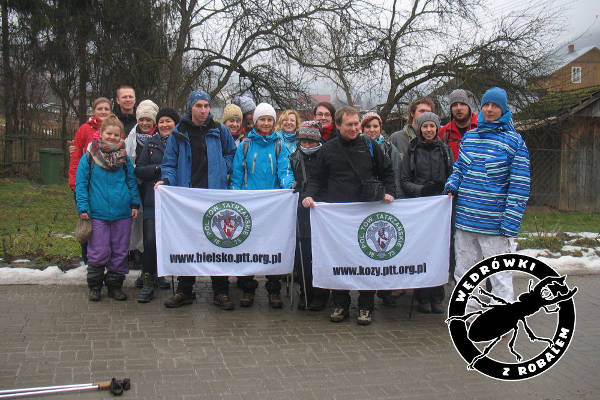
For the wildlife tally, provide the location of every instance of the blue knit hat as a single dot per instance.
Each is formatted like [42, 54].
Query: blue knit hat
[497, 96]
[194, 96]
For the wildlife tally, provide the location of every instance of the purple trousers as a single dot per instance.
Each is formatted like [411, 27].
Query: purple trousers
[109, 244]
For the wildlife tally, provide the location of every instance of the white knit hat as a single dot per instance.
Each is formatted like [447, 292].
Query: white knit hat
[146, 109]
[264, 109]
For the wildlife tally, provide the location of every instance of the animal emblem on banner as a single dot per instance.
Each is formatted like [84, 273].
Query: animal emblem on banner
[227, 222]
[381, 234]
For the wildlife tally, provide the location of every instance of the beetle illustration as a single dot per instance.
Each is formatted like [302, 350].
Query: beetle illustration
[499, 319]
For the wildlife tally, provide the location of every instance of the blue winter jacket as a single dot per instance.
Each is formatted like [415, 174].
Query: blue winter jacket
[105, 194]
[263, 169]
[176, 164]
[491, 178]
[289, 140]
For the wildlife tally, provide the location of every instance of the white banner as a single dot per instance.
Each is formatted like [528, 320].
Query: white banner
[368, 246]
[206, 232]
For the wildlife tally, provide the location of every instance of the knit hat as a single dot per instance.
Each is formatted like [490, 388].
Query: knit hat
[146, 109]
[194, 96]
[264, 109]
[245, 103]
[497, 96]
[310, 130]
[232, 111]
[428, 116]
[368, 117]
[461, 96]
[167, 112]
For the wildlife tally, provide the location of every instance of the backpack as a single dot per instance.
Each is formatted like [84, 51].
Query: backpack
[246, 145]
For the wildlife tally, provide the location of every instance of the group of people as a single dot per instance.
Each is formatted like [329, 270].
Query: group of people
[118, 159]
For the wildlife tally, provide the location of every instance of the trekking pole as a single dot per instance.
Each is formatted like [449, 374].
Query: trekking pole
[303, 276]
[115, 386]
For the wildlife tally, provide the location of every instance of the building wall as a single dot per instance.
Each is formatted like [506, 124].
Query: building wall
[590, 73]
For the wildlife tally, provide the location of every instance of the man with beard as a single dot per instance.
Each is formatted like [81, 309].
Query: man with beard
[463, 119]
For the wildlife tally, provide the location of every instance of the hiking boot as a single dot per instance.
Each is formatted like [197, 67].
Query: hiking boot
[163, 283]
[318, 303]
[424, 307]
[178, 300]
[247, 299]
[436, 307]
[275, 300]
[139, 281]
[147, 292]
[365, 317]
[223, 301]
[114, 283]
[339, 314]
[387, 299]
[94, 294]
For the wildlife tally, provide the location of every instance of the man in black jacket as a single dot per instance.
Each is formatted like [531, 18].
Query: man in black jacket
[344, 164]
[124, 107]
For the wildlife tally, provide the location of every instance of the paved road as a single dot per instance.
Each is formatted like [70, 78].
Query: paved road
[53, 335]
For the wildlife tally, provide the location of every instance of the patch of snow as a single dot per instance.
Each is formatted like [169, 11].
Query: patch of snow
[63, 236]
[52, 275]
[21, 260]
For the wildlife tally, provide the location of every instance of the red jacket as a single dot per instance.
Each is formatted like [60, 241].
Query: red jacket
[85, 134]
[450, 134]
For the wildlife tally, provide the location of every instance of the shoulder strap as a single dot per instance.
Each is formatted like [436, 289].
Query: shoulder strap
[245, 146]
[278, 146]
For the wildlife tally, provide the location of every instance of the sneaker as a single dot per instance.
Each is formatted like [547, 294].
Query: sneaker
[139, 281]
[275, 300]
[247, 299]
[436, 307]
[178, 300]
[318, 303]
[94, 294]
[365, 317]
[223, 301]
[424, 307]
[163, 283]
[339, 314]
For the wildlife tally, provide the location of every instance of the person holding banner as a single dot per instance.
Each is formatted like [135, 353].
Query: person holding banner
[199, 154]
[491, 181]
[302, 160]
[351, 168]
[261, 162]
[147, 169]
[425, 169]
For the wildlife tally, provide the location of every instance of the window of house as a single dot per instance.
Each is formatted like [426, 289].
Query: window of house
[576, 74]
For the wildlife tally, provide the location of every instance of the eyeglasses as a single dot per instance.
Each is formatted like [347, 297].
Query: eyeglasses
[323, 115]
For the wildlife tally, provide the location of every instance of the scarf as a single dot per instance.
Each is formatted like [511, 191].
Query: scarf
[504, 122]
[163, 140]
[108, 156]
[142, 138]
[326, 132]
[311, 150]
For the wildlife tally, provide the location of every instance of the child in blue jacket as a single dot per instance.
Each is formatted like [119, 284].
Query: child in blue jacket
[106, 192]
[261, 162]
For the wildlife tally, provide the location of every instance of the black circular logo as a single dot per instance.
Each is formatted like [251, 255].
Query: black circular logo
[478, 333]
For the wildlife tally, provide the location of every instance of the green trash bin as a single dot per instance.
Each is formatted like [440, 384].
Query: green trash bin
[51, 165]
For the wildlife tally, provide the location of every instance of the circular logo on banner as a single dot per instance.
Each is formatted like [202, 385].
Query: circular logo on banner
[381, 236]
[491, 323]
[227, 224]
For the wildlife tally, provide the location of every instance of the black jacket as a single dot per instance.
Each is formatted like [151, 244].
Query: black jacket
[334, 176]
[425, 164]
[147, 169]
[302, 166]
[128, 120]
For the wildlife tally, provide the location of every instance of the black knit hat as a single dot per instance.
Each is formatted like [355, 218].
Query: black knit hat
[167, 112]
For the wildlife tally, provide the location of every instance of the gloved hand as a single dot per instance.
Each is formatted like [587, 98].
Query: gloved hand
[432, 188]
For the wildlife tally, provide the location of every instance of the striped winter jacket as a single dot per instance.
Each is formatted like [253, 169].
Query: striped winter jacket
[491, 178]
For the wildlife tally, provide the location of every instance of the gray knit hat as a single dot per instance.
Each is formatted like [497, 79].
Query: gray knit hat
[310, 130]
[428, 116]
[461, 96]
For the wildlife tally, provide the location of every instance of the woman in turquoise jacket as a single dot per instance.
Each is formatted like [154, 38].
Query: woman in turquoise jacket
[261, 162]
